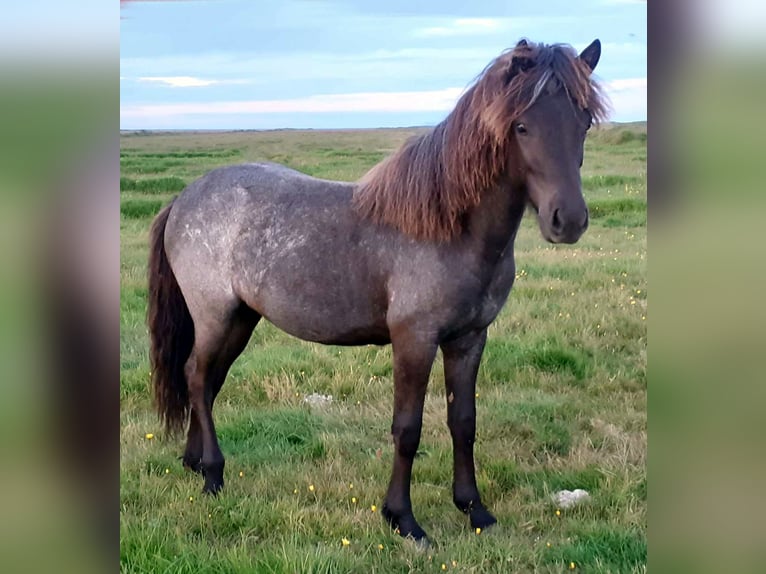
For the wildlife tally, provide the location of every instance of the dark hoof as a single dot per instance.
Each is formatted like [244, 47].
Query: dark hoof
[212, 487]
[213, 473]
[406, 526]
[481, 518]
[192, 463]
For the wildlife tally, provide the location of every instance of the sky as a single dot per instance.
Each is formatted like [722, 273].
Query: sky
[252, 64]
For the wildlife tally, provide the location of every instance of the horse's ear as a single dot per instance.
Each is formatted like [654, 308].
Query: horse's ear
[592, 54]
[522, 60]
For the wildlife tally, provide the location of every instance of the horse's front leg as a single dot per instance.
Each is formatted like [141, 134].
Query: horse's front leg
[413, 358]
[461, 364]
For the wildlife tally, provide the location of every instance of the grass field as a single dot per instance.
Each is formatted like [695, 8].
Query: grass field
[561, 398]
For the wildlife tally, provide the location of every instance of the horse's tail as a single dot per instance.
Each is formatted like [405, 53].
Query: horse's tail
[171, 332]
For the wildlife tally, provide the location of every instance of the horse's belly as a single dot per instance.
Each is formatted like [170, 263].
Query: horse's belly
[348, 336]
[327, 327]
[319, 314]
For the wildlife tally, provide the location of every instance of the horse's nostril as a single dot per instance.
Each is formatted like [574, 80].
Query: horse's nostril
[556, 221]
[585, 221]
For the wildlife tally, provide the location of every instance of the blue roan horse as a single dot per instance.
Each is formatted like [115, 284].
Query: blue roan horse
[418, 253]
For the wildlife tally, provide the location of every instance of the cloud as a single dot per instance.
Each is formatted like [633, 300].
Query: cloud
[628, 97]
[627, 84]
[445, 28]
[279, 67]
[463, 27]
[185, 81]
[433, 100]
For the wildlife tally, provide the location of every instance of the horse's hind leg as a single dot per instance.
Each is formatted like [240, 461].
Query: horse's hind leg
[217, 344]
[244, 323]
[461, 364]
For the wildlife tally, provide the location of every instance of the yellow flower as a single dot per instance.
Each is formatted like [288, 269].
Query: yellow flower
[558, 512]
[373, 508]
[571, 565]
[478, 531]
[380, 547]
[149, 436]
[241, 474]
[351, 486]
[548, 544]
[311, 488]
[345, 542]
[295, 491]
[444, 566]
[353, 499]
[454, 563]
[167, 471]
[191, 499]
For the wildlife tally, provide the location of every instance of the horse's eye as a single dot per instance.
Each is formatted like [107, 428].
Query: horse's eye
[521, 129]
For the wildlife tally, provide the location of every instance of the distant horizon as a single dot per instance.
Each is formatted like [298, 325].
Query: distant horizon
[413, 127]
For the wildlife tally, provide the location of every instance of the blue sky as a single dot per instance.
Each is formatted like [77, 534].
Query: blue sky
[245, 64]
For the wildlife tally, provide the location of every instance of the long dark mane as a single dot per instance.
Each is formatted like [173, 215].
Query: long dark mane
[426, 187]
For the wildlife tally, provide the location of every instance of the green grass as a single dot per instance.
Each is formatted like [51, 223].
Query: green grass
[154, 185]
[140, 208]
[562, 398]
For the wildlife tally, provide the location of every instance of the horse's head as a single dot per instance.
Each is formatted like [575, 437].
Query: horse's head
[545, 108]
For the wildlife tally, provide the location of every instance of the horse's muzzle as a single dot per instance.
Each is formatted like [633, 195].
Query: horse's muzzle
[565, 226]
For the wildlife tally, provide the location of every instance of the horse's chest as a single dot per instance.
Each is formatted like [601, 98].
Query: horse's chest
[494, 294]
[495, 298]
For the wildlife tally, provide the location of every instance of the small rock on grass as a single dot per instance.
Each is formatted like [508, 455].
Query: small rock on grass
[570, 498]
[317, 400]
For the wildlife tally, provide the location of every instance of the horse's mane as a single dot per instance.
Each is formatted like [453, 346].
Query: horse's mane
[426, 186]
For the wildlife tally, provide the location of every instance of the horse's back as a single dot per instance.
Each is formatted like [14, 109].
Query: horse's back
[257, 179]
[229, 200]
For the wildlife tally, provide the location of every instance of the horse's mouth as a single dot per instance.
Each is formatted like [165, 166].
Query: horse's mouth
[543, 229]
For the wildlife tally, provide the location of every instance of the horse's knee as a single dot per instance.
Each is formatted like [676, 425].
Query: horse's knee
[406, 439]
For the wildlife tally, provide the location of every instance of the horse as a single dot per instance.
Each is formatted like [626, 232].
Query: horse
[418, 254]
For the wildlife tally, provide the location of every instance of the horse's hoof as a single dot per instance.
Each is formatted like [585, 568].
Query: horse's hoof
[481, 518]
[406, 526]
[212, 488]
